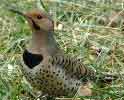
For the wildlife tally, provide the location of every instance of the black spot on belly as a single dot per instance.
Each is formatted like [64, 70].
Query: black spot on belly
[31, 60]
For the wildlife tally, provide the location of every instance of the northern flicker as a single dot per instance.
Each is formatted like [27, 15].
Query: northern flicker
[45, 65]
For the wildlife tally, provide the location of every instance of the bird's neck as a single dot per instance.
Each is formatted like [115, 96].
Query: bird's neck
[43, 42]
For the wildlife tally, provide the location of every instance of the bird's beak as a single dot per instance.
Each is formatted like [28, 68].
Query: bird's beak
[25, 16]
[19, 12]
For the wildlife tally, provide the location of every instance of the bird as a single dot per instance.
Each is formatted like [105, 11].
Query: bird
[45, 65]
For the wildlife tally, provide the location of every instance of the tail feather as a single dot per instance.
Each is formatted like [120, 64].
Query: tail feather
[106, 78]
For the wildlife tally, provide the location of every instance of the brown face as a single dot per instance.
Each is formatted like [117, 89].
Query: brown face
[38, 20]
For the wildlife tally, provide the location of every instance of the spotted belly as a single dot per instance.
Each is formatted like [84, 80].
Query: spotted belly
[51, 80]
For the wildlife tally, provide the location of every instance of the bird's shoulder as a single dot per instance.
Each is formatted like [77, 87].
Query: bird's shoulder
[65, 60]
[71, 65]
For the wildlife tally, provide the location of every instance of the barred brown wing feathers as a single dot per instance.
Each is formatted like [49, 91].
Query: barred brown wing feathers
[72, 66]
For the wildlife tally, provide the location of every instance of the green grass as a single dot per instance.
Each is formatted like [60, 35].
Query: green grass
[92, 30]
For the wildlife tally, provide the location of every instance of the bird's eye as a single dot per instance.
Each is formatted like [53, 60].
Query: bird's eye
[39, 17]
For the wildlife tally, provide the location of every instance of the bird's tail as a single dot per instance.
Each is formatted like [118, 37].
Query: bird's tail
[99, 77]
[107, 78]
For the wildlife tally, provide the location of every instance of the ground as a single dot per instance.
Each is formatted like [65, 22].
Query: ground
[91, 30]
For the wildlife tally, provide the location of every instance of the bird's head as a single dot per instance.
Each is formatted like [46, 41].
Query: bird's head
[38, 20]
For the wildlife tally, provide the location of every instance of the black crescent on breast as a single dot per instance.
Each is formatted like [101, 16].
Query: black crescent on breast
[32, 60]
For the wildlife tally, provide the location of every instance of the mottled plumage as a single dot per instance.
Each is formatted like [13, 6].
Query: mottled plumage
[45, 66]
[58, 75]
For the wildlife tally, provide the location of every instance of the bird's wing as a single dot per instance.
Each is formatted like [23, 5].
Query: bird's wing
[72, 66]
